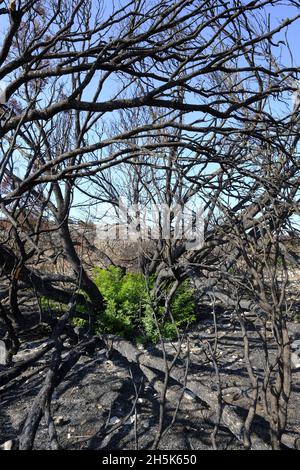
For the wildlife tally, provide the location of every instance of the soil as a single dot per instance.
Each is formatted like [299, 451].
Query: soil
[92, 407]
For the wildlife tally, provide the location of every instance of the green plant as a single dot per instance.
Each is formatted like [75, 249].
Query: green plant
[182, 313]
[79, 322]
[124, 295]
[183, 305]
[128, 307]
[49, 304]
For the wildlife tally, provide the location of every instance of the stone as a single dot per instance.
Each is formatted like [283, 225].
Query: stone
[117, 385]
[196, 350]
[296, 344]
[60, 420]
[209, 331]
[294, 330]
[189, 395]
[108, 364]
[5, 355]
[295, 360]
[8, 445]
[114, 420]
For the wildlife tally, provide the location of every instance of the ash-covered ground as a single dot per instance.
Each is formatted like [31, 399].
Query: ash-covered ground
[106, 402]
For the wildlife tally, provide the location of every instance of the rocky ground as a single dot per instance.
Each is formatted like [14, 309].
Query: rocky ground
[93, 408]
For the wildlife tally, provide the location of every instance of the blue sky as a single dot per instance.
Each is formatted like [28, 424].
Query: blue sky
[277, 14]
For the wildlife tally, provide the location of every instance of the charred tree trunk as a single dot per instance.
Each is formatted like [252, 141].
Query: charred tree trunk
[33, 280]
[84, 281]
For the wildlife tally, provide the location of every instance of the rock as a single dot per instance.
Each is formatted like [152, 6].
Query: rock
[60, 421]
[296, 344]
[294, 330]
[196, 350]
[108, 364]
[297, 352]
[295, 360]
[132, 419]
[114, 420]
[291, 440]
[8, 445]
[189, 395]
[117, 385]
[5, 354]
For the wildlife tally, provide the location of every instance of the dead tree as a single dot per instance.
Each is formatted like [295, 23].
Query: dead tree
[177, 98]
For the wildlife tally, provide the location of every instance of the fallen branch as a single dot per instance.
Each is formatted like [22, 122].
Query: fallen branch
[230, 417]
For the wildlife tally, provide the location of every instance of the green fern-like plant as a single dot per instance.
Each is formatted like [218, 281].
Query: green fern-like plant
[128, 307]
